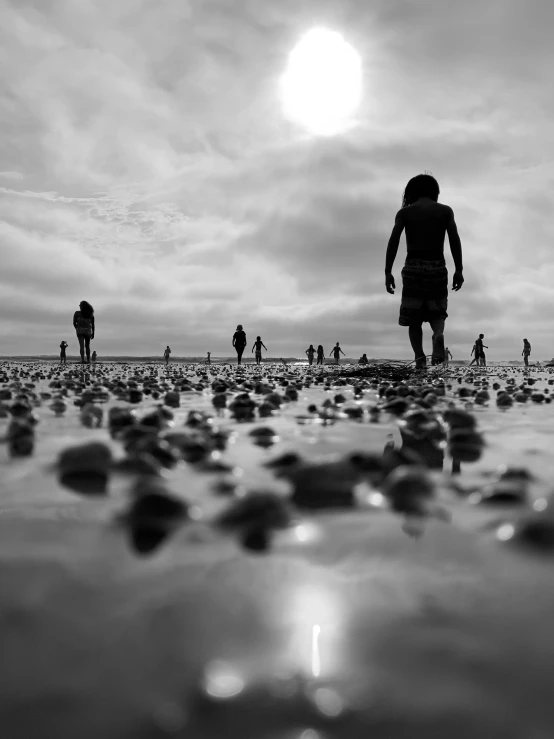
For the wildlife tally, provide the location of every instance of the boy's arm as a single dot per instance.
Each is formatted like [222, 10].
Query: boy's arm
[454, 239]
[264, 346]
[394, 241]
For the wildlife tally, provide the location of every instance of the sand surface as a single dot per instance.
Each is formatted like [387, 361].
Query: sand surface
[344, 627]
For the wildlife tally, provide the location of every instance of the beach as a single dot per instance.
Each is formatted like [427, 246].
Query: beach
[311, 579]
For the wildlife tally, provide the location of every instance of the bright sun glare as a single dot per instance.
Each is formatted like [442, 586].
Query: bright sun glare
[321, 87]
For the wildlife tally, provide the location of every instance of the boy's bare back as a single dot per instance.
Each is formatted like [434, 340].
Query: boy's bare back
[426, 224]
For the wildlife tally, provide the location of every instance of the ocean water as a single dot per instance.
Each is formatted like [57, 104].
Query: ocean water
[350, 624]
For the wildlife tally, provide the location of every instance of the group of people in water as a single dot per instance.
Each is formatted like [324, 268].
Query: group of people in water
[424, 283]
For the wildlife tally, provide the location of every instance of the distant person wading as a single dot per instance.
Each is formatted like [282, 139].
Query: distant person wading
[239, 342]
[83, 322]
[310, 352]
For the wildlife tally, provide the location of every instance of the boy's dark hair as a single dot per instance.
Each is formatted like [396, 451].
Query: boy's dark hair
[481, 336]
[420, 186]
[87, 311]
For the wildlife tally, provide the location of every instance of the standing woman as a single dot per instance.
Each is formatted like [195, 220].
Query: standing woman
[320, 355]
[239, 342]
[83, 322]
[310, 352]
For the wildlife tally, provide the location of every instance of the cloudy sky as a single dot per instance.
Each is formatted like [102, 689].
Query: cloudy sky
[147, 166]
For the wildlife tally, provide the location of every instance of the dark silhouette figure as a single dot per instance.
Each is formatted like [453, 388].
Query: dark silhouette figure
[258, 346]
[310, 352]
[447, 356]
[83, 322]
[424, 276]
[239, 342]
[63, 358]
[526, 352]
[320, 355]
[336, 351]
[363, 359]
[479, 357]
[166, 354]
[94, 355]
[209, 358]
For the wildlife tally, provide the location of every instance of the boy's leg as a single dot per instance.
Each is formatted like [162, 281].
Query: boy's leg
[415, 332]
[438, 340]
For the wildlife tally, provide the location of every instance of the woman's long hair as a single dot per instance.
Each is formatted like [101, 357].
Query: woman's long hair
[420, 186]
[87, 311]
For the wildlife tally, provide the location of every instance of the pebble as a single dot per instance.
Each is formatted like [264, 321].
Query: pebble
[85, 468]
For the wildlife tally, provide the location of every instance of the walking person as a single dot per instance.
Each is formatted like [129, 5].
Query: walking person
[321, 355]
[83, 323]
[424, 276]
[526, 352]
[258, 346]
[63, 347]
[310, 351]
[447, 356]
[166, 354]
[479, 351]
[336, 351]
[239, 342]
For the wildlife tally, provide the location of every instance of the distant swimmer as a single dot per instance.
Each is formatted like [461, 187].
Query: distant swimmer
[363, 359]
[526, 352]
[336, 351]
[63, 347]
[257, 345]
[239, 342]
[83, 323]
[166, 354]
[310, 351]
[320, 355]
[424, 276]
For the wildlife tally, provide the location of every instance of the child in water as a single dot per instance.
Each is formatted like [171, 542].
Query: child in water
[424, 276]
[310, 352]
[320, 355]
[336, 351]
[363, 359]
[258, 346]
[63, 358]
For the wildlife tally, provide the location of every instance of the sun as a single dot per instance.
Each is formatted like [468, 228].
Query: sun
[322, 85]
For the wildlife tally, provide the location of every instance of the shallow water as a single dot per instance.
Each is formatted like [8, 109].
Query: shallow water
[448, 632]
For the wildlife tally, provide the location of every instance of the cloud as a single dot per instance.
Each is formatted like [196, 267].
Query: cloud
[148, 168]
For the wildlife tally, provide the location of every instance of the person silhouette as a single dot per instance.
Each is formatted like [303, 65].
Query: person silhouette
[336, 351]
[320, 355]
[258, 346]
[310, 352]
[424, 276]
[209, 358]
[526, 352]
[479, 353]
[447, 356]
[63, 358]
[166, 354]
[363, 359]
[94, 355]
[83, 323]
[239, 342]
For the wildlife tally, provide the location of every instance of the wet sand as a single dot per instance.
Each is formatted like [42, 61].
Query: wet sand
[351, 620]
